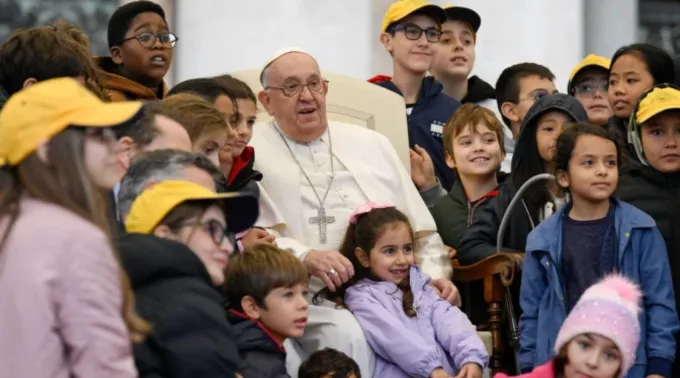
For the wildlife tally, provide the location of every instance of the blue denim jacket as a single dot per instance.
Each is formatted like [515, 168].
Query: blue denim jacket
[642, 257]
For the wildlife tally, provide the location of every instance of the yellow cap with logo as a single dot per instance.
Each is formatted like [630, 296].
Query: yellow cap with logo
[154, 203]
[591, 60]
[402, 8]
[37, 113]
[657, 101]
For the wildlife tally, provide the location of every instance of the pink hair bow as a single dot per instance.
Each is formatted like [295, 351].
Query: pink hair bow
[366, 208]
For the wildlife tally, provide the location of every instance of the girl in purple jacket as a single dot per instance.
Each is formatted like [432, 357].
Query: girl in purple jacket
[412, 331]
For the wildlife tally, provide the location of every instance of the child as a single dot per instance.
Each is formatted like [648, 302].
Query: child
[652, 181]
[37, 54]
[588, 82]
[517, 89]
[266, 292]
[409, 30]
[599, 337]
[61, 287]
[634, 69]
[141, 47]
[242, 155]
[592, 236]
[473, 141]
[412, 331]
[329, 363]
[179, 242]
[207, 127]
[534, 154]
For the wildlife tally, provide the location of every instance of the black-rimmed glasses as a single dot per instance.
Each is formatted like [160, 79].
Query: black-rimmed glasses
[148, 40]
[414, 32]
[294, 88]
[217, 231]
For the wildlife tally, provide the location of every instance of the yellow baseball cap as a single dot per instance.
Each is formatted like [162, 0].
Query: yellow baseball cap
[657, 101]
[463, 14]
[591, 60]
[154, 203]
[402, 8]
[41, 111]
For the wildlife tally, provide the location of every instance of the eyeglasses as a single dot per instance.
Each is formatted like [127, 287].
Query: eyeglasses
[414, 32]
[315, 85]
[218, 233]
[148, 40]
[536, 96]
[589, 88]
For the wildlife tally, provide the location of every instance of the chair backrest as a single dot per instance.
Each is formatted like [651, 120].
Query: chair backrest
[358, 102]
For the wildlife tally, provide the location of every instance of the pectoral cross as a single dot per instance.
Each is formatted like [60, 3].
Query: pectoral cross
[322, 220]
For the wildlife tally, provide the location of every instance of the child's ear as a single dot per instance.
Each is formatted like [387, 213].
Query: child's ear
[116, 55]
[562, 178]
[29, 82]
[250, 307]
[450, 162]
[386, 40]
[362, 256]
[163, 232]
[509, 111]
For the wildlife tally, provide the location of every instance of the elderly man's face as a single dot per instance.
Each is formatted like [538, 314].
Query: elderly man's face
[296, 96]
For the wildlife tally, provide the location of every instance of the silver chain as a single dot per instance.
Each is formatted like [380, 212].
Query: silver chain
[330, 151]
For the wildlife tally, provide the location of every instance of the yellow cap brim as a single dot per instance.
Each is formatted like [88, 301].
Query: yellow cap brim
[104, 115]
[645, 114]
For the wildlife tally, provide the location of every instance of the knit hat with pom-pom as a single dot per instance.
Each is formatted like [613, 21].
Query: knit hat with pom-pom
[609, 308]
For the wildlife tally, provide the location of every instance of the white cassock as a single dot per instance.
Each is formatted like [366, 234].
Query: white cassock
[366, 168]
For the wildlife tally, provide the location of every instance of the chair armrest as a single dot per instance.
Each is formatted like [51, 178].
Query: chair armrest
[502, 264]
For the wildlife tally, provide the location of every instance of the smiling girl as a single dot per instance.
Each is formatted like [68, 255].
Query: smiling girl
[412, 331]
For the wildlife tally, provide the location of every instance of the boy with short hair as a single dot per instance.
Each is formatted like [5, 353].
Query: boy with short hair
[409, 30]
[266, 292]
[329, 363]
[517, 89]
[37, 54]
[141, 48]
[473, 140]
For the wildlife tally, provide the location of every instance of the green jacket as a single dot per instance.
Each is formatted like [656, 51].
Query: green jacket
[453, 213]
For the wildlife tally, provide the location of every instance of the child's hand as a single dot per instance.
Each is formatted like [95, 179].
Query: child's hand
[470, 370]
[439, 373]
[422, 169]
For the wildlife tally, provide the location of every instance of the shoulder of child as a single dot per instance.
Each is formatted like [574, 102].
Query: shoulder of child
[637, 217]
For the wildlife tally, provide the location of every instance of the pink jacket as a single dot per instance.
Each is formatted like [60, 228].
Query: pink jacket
[543, 371]
[60, 299]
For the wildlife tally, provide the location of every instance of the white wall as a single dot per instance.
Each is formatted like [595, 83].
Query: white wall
[219, 36]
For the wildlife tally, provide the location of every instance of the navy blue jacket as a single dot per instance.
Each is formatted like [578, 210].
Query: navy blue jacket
[426, 123]
[641, 257]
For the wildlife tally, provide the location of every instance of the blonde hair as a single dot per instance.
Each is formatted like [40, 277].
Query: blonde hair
[199, 115]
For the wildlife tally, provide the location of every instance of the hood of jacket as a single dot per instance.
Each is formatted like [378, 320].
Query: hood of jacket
[527, 134]
[662, 180]
[131, 90]
[148, 259]
[242, 170]
[478, 90]
[252, 335]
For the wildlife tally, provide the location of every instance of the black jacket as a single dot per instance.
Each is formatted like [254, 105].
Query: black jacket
[243, 176]
[190, 335]
[478, 91]
[479, 240]
[426, 123]
[263, 357]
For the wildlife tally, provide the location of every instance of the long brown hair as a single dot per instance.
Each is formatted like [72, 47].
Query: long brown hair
[65, 182]
[364, 234]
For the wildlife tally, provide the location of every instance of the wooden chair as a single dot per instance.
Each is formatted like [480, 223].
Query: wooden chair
[497, 272]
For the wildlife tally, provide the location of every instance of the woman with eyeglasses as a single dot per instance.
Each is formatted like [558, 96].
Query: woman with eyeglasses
[141, 47]
[588, 82]
[178, 246]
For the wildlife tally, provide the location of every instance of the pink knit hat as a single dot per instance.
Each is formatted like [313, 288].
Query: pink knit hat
[609, 308]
